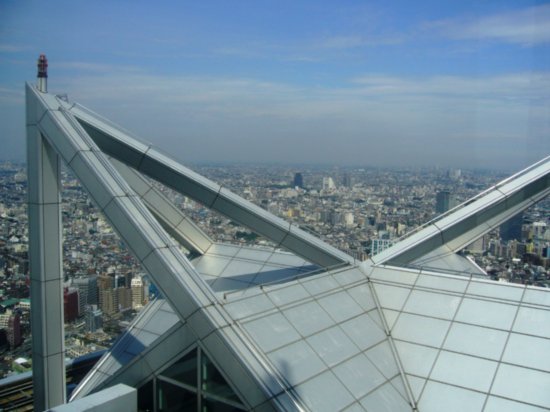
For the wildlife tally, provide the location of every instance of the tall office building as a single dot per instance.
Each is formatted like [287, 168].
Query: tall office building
[138, 293]
[70, 304]
[347, 180]
[511, 229]
[123, 298]
[298, 180]
[108, 301]
[87, 291]
[308, 328]
[94, 318]
[444, 201]
[10, 322]
[328, 183]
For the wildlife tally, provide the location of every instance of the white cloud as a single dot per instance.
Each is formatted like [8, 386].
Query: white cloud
[355, 41]
[84, 66]
[518, 86]
[215, 118]
[526, 27]
[244, 97]
[11, 96]
[12, 48]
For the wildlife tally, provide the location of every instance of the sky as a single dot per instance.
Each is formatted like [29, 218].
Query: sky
[350, 83]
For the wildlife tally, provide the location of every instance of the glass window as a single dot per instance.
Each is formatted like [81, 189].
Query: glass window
[391, 297]
[382, 357]
[308, 318]
[214, 383]
[454, 398]
[324, 393]
[442, 283]
[359, 375]
[341, 306]
[213, 391]
[492, 289]
[284, 296]
[209, 405]
[172, 398]
[486, 313]
[363, 296]
[416, 359]
[184, 370]
[533, 321]
[476, 340]
[420, 329]
[363, 331]
[438, 305]
[271, 332]
[333, 346]
[522, 384]
[146, 397]
[385, 399]
[529, 351]
[297, 362]
[457, 369]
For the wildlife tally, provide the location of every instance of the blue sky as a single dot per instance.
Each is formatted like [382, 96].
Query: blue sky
[435, 83]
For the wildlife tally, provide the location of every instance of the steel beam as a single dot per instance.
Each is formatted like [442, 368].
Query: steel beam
[46, 265]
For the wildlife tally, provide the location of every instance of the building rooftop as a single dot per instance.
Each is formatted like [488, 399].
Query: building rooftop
[310, 327]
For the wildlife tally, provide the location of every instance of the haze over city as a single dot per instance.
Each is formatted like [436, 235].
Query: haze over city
[465, 84]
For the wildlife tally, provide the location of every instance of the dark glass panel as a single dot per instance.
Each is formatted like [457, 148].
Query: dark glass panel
[146, 397]
[209, 405]
[184, 370]
[213, 382]
[172, 398]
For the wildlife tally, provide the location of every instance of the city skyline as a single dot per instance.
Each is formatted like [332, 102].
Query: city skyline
[264, 327]
[459, 85]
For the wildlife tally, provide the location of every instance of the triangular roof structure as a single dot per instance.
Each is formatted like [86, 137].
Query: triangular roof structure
[304, 326]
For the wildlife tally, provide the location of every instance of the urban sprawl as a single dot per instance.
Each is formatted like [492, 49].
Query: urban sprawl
[358, 210]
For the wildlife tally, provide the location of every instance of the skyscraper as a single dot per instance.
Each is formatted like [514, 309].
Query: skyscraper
[328, 183]
[70, 304]
[445, 201]
[298, 180]
[10, 322]
[511, 229]
[347, 180]
[138, 293]
[87, 291]
[94, 318]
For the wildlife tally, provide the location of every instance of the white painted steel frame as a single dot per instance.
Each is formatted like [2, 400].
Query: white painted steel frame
[170, 217]
[148, 160]
[46, 264]
[190, 297]
[205, 320]
[474, 218]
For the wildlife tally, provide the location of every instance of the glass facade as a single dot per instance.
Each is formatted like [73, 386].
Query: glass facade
[192, 383]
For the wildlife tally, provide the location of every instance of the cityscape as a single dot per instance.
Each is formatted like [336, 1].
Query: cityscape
[360, 211]
[275, 206]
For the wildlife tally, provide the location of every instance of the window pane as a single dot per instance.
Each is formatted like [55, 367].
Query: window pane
[146, 397]
[172, 398]
[209, 405]
[184, 370]
[213, 382]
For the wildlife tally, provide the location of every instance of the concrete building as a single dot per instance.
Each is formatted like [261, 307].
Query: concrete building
[94, 318]
[298, 180]
[444, 201]
[511, 229]
[87, 291]
[10, 322]
[138, 293]
[70, 304]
